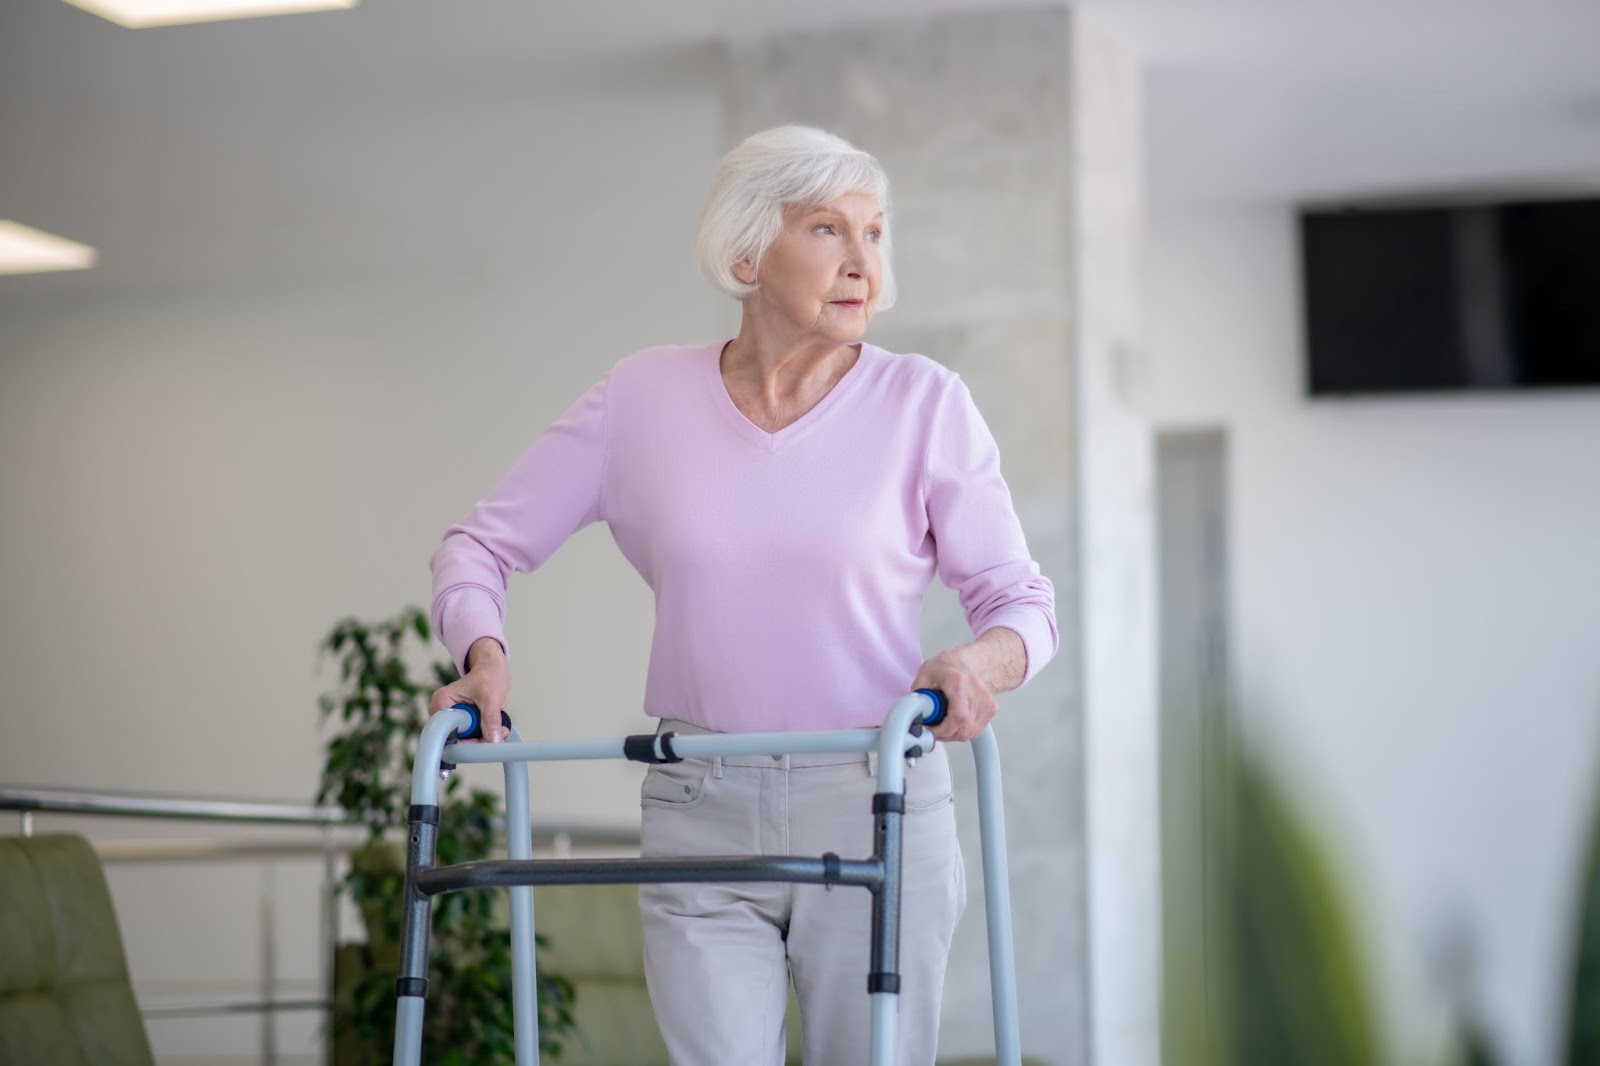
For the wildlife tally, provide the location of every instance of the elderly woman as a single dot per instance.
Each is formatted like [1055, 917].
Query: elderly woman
[788, 495]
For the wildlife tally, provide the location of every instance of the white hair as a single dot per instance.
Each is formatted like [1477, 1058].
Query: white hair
[771, 170]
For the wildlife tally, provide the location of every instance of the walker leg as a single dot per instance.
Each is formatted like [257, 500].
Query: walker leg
[883, 982]
[524, 978]
[997, 897]
[411, 988]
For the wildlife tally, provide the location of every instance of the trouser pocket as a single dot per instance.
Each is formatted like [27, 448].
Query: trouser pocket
[675, 785]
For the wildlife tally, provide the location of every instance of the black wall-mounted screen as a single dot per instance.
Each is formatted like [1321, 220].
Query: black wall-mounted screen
[1499, 296]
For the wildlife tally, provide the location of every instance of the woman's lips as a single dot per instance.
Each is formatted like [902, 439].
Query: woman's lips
[849, 303]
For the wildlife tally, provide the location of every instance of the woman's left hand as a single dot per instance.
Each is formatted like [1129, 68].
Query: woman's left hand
[971, 704]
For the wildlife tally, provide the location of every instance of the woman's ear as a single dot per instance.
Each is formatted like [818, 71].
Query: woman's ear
[744, 272]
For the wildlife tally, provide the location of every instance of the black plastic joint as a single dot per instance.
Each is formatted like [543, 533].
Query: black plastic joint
[891, 802]
[642, 748]
[422, 812]
[411, 986]
[830, 868]
[883, 982]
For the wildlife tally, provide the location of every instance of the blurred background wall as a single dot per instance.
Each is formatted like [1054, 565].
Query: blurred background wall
[351, 262]
[1413, 602]
[1415, 612]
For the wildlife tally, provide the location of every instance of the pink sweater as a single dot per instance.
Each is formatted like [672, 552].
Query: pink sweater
[788, 568]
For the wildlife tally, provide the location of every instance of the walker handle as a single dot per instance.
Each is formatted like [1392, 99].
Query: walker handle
[472, 732]
[941, 705]
[475, 730]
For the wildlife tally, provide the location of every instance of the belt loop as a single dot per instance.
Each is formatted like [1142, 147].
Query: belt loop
[716, 767]
[872, 764]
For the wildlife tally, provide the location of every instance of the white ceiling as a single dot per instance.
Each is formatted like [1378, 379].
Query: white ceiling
[1327, 99]
[225, 151]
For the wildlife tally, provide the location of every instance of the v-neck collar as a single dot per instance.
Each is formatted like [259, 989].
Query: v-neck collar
[747, 429]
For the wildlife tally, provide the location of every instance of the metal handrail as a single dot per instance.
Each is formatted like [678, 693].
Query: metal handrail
[137, 805]
[211, 849]
[255, 812]
[239, 1006]
[333, 822]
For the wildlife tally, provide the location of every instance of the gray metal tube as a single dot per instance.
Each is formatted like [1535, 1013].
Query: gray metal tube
[705, 745]
[997, 896]
[892, 741]
[503, 873]
[894, 738]
[419, 908]
[524, 976]
[702, 745]
[76, 801]
[421, 840]
[533, 751]
[885, 1028]
[885, 954]
[408, 1031]
[430, 752]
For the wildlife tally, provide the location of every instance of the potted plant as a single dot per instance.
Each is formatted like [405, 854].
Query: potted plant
[380, 708]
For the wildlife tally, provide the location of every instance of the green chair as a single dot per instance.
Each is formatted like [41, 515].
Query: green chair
[65, 999]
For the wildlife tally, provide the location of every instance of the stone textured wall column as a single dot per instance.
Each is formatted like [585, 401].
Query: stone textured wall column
[1117, 560]
[1011, 144]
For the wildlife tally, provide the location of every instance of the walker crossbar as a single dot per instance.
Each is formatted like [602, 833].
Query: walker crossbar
[504, 873]
[901, 737]
[702, 746]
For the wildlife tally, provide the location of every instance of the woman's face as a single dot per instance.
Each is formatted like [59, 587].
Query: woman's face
[820, 277]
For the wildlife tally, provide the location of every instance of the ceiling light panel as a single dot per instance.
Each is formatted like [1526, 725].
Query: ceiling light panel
[137, 14]
[24, 250]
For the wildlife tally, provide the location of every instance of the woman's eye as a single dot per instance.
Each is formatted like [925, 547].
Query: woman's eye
[824, 228]
[875, 235]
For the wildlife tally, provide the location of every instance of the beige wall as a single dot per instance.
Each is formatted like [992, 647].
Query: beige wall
[197, 485]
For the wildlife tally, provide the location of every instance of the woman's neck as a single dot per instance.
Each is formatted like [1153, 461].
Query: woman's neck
[774, 384]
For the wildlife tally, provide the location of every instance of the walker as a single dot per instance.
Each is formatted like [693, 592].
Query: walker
[901, 737]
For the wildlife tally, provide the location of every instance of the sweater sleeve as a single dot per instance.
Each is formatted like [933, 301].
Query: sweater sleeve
[553, 490]
[978, 541]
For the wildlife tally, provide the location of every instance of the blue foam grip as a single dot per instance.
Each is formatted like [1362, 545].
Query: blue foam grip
[471, 730]
[475, 730]
[941, 706]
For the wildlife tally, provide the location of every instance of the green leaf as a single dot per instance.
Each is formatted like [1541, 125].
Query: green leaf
[1583, 1008]
[1299, 992]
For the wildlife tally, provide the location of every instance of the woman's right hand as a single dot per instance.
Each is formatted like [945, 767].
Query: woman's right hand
[486, 685]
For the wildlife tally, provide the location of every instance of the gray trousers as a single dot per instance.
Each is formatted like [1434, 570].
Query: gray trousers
[719, 957]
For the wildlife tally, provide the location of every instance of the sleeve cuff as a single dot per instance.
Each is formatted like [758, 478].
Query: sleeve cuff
[1037, 630]
[463, 627]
